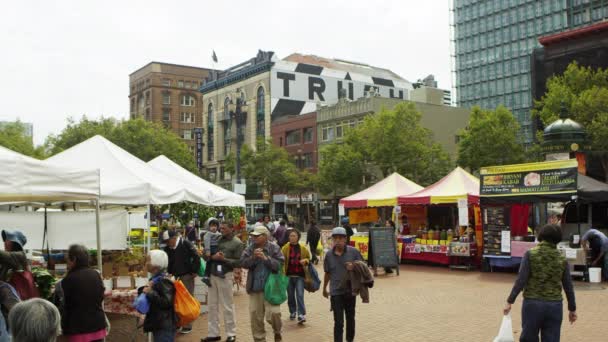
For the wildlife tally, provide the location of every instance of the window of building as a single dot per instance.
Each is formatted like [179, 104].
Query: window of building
[148, 117]
[222, 173]
[260, 112]
[166, 115]
[133, 109]
[166, 98]
[188, 100]
[293, 137]
[227, 137]
[328, 133]
[308, 132]
[212, 174]
[187, 134]
[226, 106]
[307, 160]
[187, 117]
[147, 96]
[166, 82]
[180, 84]
[187, 85]
[339, 131]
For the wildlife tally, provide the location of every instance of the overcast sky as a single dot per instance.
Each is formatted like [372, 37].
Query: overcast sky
[69, 58]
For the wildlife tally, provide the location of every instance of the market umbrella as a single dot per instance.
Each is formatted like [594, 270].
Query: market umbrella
[382, 194]
[458, 184]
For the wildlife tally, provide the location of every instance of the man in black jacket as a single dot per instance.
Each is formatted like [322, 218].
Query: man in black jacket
[184, 262]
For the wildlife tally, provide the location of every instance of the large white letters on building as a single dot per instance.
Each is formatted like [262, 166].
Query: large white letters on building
[296, 88]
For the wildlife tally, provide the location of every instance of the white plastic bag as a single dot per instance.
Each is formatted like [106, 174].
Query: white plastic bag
[505, 334]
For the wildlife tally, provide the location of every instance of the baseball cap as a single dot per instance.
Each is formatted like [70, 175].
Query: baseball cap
[338, 231]
[259, 230]
[168, 234]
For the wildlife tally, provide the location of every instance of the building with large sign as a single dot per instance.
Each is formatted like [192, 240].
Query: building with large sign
[272, 89]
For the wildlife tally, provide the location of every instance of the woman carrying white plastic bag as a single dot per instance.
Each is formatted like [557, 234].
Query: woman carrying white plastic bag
[505, 334]
[542, 274]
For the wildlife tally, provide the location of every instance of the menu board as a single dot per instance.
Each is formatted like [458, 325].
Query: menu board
[384, 247]
[496, 232]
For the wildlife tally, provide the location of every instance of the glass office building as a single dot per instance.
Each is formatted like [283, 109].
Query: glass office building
[492, 44]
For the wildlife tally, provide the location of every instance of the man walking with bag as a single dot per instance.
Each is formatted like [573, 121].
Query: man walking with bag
[337, 262]
[225, 261]
[184, 263]
[262, 258]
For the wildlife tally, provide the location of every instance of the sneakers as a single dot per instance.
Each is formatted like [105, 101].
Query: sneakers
[301, 319]
[206, 281]
[278, 337]
[185, 331]
[292, 316]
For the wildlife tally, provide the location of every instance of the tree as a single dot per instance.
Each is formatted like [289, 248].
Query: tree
[490, 139]
[304, 181]
[269, 166]
[144, 139]
[13, 137]
[395, 141]
[584, 93]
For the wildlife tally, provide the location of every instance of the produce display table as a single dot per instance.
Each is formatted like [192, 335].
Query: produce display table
[121, 302]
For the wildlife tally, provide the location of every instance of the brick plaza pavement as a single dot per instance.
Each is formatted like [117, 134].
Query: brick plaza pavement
[422, 304]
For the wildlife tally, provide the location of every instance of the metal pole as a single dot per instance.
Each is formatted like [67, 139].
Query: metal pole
[98, 227]
[149, 232]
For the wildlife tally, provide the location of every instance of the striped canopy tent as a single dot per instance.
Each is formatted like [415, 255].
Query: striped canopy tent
[458, 184]
[382, 194]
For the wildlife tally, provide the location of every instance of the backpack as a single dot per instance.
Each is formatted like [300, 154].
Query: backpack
[23, 282]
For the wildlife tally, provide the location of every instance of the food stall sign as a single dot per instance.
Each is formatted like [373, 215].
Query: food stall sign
[545, 178]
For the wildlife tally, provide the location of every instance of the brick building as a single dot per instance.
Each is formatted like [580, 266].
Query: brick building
[297, 134]
[168, 93]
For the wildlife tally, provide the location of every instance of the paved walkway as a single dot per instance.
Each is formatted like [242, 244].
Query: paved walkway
[423, 304]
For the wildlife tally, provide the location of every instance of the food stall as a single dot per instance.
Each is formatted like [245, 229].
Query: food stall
[508, 191]
[363, 206]
[451, 201]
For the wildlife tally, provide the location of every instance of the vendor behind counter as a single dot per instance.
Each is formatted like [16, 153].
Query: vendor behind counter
[597, 243]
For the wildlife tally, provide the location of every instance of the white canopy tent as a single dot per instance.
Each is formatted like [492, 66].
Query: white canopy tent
[215, 195]
[125, 179]
[25, 179]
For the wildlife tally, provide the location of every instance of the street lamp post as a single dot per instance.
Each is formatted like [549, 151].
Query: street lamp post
[238, 112]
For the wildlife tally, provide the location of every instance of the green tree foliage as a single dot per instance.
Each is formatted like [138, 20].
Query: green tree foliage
[341, 167]
[584, 92]
[145, 140]
[490, 139]
[12, 136]
[389, 141]
[269, 166]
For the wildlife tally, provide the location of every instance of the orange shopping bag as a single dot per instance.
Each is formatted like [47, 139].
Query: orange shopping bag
[187, 307]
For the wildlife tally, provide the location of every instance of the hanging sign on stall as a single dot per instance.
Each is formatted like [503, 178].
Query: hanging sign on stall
[463, 212]
[363, 215]
[505, 241]
[546, 178]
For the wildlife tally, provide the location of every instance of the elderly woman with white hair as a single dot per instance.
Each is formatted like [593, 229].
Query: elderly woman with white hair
[34, 320]
[161, 319]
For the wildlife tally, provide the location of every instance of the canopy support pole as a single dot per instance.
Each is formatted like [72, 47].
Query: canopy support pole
[149, 242]
[98, 231]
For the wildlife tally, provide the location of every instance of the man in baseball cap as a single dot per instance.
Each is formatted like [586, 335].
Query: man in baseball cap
[337, 262]
[261, 258]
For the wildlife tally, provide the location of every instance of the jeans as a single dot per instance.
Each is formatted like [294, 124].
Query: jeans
[344, 305]
[605, 267]
[539, 316]
[163, 335]
[295, 293]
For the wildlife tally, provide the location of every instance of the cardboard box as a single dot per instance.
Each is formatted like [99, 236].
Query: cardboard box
[123, 270]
